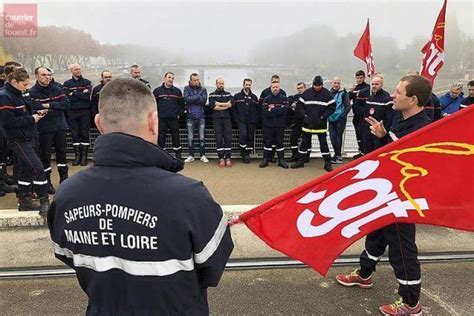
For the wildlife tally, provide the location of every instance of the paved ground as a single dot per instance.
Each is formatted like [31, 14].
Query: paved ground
[447, 290]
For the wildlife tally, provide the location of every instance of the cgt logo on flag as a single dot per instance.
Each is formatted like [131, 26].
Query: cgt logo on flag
[20, 20]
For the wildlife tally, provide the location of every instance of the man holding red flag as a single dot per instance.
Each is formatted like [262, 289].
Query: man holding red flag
[410, 95]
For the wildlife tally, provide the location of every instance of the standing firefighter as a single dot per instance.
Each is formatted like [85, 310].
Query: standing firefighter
[221, 101]
[246, 111]
[105, 78]
[410, 95]
[296, 120]
[78, 89]
[158, 240]
[18, 124]
[358, 108]
[316, 105]
[170, 103]
[52, 128]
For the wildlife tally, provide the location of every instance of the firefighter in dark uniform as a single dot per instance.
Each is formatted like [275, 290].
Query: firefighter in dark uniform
[358, 108]
[315, 106]
[410, 95]
[469, 100]
[378, 105]
[274, 110]
[78, 89]
[142, 239]
[106, 77]
[246, 111]
[18, 124]
[170, 102]
[221, 102]
[52, 128]
[265, 93]
[296, 121]
[136, 73]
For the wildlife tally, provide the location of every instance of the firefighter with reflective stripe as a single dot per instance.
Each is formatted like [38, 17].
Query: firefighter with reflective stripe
[315, 105]
[106, 77]
[245, 111]
[136, 73]
[52, 128]
[410, 95]
[221, 101]
[142, 239]
[78, 89]
[170, 102]
[18, 125]
[296, 120]
[378, 105]
[358, 108]
[274, 110]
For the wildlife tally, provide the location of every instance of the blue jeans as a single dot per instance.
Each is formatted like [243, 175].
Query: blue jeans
[336, 130]
[192, 125]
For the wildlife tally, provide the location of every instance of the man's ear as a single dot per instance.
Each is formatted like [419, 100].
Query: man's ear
[98, 123]
[153, 123]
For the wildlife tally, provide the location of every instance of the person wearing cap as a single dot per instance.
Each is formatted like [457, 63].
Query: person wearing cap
[315, 106]
[451, 101]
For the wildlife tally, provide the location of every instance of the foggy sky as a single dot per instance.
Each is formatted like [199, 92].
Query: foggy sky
[228, 30]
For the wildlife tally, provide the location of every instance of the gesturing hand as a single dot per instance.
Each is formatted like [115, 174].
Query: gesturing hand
[377, 128]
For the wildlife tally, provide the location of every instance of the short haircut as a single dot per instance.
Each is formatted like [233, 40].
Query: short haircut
[471, 83]
[19, 74]
[247, 79]
[418, 86]
[12, 63]
[134, 66]
[10, 66]
[38, 68]
[220, 78]
[301, 83]
[456, 86]
[102, 73]
[193, 75]
[124, 105]
[169, 73]
[74, 65]
[360, 73]
[275, 77]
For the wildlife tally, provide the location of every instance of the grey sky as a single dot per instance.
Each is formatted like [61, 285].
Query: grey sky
[231, 29]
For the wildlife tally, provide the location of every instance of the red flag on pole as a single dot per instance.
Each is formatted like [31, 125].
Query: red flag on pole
[363, 51]
[433, 51]
[425, 177]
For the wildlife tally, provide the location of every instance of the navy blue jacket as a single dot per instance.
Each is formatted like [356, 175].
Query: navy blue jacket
[195, 98]
[146, 82]
[468, 101]
[78, 99]
[275, 117]
[95, 96]
[16, 121]
[142, 239]
[379, 106]
[404, 127]
[358, 107]
[315, 107]
[58, 103]
[433, 108]
[220, 96]
[246, 107]
[170, 101]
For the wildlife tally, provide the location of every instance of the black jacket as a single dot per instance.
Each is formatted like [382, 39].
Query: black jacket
[403, 127]
[146, 82]
[58, 102]
[468, 101]
[275, 117]
[220, 96]
[246, 107]
[267, 92]
[162, 239]
[433, 108]
[358, 107]
[292, 116]
[170, 101]
[315, 107]
[95, 96]
[79, 93]
[16, 121]
[379, 106]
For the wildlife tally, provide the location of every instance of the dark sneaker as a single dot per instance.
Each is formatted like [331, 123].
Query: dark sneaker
[354, 279]
[400, 308]
[264, 163]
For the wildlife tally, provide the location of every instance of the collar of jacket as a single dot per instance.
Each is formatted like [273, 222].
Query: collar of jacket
[403, 124]
[124, 150]
[243, 92]
[165, 87]
[12, 89]
[78, 79]
[41, 87]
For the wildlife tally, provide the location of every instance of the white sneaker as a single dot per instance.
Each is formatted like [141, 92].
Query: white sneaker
[204, 159]
[189, 159]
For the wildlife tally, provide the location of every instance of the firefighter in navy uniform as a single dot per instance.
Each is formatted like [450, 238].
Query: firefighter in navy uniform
[136, 73]
[315, 106]
[78, 89]
[158, 240]
[4, 188]
[246, 111]
[106, 77]
[358, 108]
[221, 101]
[410, 95]
[274, 110]
[379, 106]
[52, 128]
[296, 121]
[18, 124]
[469, 100]
[170, 102]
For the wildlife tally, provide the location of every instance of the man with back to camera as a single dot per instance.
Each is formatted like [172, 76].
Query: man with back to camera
[411, 94]
[158, 240]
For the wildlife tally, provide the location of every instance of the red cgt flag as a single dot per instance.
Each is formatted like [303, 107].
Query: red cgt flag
[425, 177]
[433, 51]
[363, 51]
